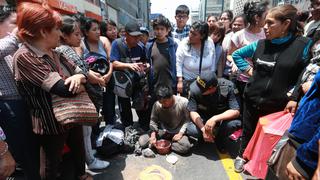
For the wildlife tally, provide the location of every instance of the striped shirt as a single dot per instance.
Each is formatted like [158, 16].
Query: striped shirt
[8, 46]
[35, 77]
[71, 54]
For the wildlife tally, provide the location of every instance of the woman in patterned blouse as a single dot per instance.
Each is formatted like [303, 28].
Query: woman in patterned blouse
[41, 71]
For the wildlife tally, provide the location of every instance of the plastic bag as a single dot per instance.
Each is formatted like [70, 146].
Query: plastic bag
[269, 130]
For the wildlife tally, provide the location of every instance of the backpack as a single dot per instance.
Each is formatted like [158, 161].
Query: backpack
[97, 62]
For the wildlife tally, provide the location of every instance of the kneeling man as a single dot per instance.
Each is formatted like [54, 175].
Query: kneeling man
[169, 120]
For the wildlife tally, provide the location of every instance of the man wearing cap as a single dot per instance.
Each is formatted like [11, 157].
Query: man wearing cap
[212, 104]
[128, 54]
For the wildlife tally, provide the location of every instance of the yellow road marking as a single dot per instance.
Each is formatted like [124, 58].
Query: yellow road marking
[227, 163]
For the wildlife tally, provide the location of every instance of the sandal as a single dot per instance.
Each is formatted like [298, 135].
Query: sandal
[86, 176]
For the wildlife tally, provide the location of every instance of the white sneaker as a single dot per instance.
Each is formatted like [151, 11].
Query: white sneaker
[98, 164]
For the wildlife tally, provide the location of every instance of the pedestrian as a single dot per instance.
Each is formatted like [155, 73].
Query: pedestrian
[18, 142]
[112, 30]
[278, 61]
[161, 53]
[314, 24]
[237, 24]
[213, 110]
[181, 30]
[39, 73]
[212, 20]
[128, 55]
[226, 17]
[195, 55]
[169, 120]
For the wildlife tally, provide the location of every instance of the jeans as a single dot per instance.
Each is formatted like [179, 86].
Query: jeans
[109, 106]
[126, 114]
[16, 123]
[225, 129]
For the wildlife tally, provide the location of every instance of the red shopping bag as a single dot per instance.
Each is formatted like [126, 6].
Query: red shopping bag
[268, 132]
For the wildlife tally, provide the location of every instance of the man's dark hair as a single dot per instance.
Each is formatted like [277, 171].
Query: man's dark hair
[182, 9]
[161, 21]
[6, 11]
[164, 92]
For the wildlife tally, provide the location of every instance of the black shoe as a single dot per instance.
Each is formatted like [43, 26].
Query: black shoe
[238, 164]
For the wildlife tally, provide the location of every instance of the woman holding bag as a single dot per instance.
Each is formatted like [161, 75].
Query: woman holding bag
[195, 55]
[278, 62]
[41, 72]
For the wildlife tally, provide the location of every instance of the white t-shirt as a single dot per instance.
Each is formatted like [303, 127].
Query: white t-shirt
[188, 59]
[243, 38]
[310, 26]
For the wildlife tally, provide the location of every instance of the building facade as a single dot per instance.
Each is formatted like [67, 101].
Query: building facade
[124, 11]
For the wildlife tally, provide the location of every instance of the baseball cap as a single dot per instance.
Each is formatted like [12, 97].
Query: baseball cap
[206, 81]
[133, 29]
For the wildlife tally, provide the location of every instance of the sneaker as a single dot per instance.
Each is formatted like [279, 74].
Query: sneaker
[238, 164]
[98, 164]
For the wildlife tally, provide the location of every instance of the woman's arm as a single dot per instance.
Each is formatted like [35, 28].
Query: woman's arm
[242, 53]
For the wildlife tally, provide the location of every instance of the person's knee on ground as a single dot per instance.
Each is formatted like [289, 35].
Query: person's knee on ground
[183, 146]
[144, 141]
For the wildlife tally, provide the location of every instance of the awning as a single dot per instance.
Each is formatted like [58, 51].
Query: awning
[59, 6]
[63, 7]
[93, 15]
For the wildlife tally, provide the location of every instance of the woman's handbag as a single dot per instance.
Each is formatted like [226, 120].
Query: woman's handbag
[74, 110]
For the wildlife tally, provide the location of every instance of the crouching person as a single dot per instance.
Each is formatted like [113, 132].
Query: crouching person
[169, 120]
[212, 104]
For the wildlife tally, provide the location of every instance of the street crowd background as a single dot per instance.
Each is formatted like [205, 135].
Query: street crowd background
[62, 78]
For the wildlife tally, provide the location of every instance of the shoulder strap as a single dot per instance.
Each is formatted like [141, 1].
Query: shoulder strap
[201, 54]
[123, 52]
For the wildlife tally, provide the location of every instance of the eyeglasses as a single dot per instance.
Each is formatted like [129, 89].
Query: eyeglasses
[181, 17]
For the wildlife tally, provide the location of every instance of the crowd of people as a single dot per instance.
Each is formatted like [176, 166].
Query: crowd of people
[203, 82]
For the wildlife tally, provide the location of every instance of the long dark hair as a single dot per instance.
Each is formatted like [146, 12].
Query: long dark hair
[203, 28]
[251, 9]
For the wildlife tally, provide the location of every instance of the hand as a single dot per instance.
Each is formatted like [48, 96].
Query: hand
[210, 124]
[250, 72]
[74, 82]
[152, 140]
[292, 173]
[180, 87]
[81, 89]
[306, 86]
[146, 67]
[291, 107]
[206, 136]
[7, 165]
[106, 78]
[234, 68]
[177, 137]
[135, 67]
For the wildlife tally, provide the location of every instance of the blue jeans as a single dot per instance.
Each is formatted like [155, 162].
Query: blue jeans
[225, 129]
[16, 123]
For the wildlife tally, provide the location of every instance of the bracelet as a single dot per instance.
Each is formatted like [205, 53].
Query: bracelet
[6, 148]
